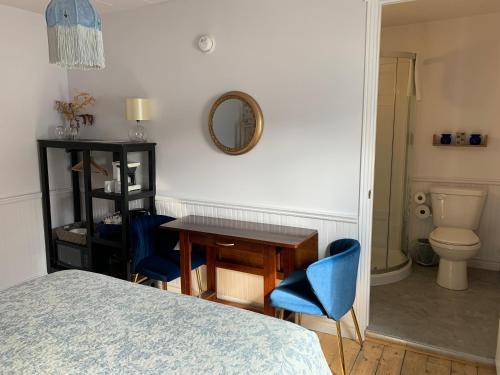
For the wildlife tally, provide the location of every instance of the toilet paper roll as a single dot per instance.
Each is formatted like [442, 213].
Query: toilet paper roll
[422, 212]
[420, 197]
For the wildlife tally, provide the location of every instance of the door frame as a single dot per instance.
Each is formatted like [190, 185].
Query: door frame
[367, 167]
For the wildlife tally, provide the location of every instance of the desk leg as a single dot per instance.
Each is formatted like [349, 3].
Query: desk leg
[269, 278]
[185, 249]
[211, 271]
[288, 258]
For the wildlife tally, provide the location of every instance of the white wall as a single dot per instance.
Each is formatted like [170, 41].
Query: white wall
[292, 56]
[29, 86]
[460, 86]
[303, 61]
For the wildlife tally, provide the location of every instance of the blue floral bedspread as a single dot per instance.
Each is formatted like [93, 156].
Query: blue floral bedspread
[75, 322]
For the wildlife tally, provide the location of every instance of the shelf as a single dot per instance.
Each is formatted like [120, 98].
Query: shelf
[132, 195]
[113, 256]
[436, 142]
[70, 244]
[97, 145]
[108, 243]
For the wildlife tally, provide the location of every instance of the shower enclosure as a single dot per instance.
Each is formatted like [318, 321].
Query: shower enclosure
[390, 260]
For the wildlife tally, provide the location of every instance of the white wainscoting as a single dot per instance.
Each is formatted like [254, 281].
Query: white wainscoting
[247, 289]
[21, 230]
[22, 242]
[489, 233]
[22, 246]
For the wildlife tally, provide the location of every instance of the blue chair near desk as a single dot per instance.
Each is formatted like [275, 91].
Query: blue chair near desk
[153, 254]
[326, 287]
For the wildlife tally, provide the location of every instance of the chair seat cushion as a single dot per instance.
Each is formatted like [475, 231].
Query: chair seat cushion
[159, 268]
[295, 294]
[197, 258]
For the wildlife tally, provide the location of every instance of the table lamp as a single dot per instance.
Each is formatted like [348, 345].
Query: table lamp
[138, 109]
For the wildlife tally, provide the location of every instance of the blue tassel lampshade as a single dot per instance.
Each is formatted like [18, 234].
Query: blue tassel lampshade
[75, 35]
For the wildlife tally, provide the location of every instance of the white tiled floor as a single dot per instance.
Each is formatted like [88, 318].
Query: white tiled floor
[417, 309]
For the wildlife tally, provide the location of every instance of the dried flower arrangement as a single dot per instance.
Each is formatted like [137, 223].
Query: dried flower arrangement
[71, 110]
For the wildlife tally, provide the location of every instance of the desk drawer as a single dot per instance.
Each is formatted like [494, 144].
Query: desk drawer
[228, 243]
[234, 250]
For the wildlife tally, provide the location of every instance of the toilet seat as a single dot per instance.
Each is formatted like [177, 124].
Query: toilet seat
[454, 248]
[455, 237]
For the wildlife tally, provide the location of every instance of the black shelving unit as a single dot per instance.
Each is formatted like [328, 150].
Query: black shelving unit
[116, 252]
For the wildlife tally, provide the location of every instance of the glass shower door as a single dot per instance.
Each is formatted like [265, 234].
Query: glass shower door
[390, 165]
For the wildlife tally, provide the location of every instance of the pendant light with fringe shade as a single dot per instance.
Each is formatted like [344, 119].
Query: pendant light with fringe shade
[75, 35]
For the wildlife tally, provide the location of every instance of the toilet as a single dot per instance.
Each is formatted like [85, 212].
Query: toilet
[456, 213]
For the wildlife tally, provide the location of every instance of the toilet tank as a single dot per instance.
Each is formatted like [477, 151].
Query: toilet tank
[457, 207]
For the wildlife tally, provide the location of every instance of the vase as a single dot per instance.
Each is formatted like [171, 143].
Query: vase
[71, 133]
[60, 132]
[475, 139]
[445, 139]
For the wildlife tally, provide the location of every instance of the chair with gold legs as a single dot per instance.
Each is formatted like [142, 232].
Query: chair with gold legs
[327, 287]
[152, 252]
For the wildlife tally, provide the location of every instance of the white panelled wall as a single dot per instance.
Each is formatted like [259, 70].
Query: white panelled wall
[245, 288]
[233, 286]
[304, 64]
[22, 242]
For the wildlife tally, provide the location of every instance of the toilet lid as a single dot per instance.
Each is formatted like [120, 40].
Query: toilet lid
[454, 236]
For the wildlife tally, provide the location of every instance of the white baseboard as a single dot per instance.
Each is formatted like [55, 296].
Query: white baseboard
[325, 325]
[490, 265]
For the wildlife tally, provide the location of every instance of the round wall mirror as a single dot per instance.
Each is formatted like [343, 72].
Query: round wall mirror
[235, 123]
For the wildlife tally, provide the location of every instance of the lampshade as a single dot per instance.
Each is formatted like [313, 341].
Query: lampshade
[75, 35]
[138, 109]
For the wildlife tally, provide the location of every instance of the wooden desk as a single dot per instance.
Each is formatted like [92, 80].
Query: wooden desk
[271, 251]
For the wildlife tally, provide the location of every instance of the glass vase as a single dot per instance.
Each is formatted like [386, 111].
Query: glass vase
[71, 133]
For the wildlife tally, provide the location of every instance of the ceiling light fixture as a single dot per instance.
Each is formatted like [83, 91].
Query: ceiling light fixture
[75, 35]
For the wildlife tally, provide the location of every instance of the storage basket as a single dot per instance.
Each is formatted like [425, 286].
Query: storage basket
[423, 253]
[63, 233]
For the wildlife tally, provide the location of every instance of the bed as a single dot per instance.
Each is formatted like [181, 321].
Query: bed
[75, 322]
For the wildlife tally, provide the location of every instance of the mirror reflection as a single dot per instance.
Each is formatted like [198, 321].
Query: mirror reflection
[234, 123]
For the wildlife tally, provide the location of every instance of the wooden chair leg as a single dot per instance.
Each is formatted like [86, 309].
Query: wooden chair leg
[135, 277]
[298, 318]
[358, 332]
[200, 284]
[341, 347]
[280, 313]
[163, 285]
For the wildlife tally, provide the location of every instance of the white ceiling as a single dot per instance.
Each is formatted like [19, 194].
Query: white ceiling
[434, 10]
[103, 6]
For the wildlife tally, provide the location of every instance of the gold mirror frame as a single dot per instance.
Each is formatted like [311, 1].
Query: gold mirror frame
[259, 122]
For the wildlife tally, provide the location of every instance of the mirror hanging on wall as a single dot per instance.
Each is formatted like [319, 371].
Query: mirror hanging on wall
[235, 123]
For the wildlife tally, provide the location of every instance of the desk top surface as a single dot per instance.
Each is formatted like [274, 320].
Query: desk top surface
[276, 235]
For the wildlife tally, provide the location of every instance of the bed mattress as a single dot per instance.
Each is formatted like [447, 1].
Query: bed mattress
[76, 322]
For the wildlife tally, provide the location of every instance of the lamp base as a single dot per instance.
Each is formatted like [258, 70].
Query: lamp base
[137, 133]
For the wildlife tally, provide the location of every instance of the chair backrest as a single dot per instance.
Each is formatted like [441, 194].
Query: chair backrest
[333, 279]
[144, 237]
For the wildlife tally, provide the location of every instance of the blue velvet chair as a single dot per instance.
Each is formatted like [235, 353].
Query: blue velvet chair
[152, 251]
[326, 287]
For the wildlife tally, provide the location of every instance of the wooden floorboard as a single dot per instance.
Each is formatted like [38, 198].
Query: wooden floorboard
[368, 359]
[384, 358]
[486, 371]
[462, 369]
[391, 361]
